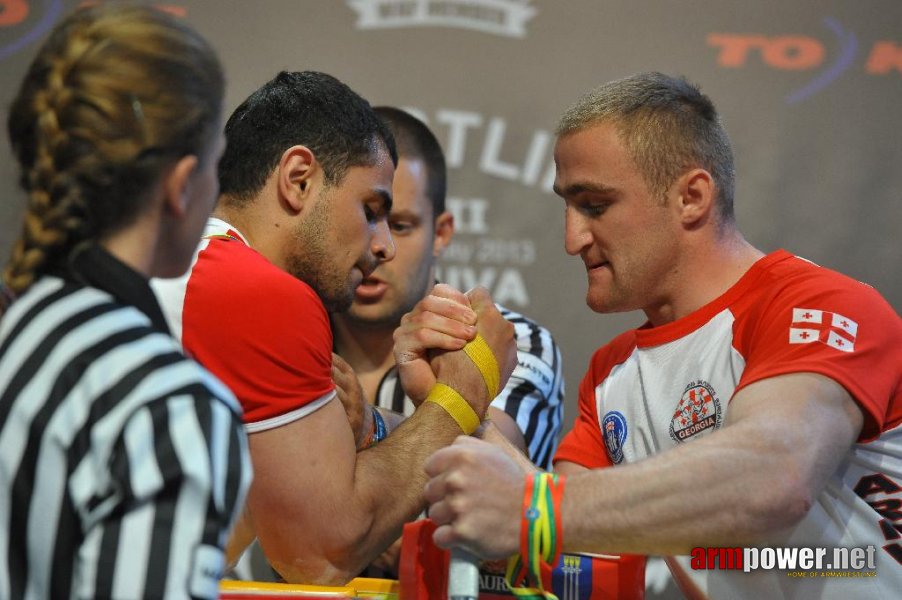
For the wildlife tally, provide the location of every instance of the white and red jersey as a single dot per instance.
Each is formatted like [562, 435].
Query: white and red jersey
[263, 332]
[654, 388]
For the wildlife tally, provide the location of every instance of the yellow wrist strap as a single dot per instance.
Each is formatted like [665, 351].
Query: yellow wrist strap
[451, 400]
[479, 352]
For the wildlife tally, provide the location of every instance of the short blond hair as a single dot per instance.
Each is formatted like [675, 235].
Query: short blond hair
[667, 125]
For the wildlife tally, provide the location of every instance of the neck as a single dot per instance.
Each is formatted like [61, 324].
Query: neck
[264, 234]
[136, 246]
[367, 348]
[705, 272]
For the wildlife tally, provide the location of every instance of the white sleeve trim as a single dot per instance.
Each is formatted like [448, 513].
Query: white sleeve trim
[289, 417]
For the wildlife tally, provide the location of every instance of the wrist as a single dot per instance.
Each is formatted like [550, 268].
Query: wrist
[541, 533]
[456, 406]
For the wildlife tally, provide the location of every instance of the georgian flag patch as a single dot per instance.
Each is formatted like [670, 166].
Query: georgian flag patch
[833, 329]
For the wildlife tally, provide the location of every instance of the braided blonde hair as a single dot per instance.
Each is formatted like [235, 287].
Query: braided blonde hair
[113, 98]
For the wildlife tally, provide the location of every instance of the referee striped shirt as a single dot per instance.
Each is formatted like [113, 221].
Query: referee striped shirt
[533, 396]
[123, 464]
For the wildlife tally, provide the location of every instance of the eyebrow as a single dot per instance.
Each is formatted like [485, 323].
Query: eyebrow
[406, 214]
[580, 188]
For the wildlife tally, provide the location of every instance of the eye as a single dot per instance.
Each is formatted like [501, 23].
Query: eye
[594, 209]
[401, 227]
[376, 209]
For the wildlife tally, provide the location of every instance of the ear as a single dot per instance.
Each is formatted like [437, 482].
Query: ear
[176, 185]
[696, 196]
[297, 175]
[444, 231]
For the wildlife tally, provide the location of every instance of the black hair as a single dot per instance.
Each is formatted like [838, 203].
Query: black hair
[308, 108]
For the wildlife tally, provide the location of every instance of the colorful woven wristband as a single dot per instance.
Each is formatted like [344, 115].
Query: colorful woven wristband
[540, 537]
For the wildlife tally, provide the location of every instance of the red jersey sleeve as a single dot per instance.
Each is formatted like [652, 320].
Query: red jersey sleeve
[583, 445]
[820, 321]
[263, 332]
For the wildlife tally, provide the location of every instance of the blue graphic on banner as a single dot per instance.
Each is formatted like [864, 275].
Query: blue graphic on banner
[848, 49]
[52, 10]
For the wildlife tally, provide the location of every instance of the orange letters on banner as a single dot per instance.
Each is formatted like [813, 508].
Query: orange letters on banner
[735, 48]
[885, 56]
[789, 53]
[12, 12]
[793, 53]
[177, 11]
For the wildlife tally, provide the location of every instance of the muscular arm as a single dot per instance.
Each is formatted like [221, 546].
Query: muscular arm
[321, 509]
[324, 511]
[760, 474]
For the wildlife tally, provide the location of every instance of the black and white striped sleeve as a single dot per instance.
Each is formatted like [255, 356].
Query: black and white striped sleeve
[534, 394]
[180, 471]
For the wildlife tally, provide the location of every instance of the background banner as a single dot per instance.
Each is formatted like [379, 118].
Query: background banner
[810, 93]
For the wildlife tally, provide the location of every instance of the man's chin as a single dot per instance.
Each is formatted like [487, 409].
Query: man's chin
[602, 304]
[369, 313]
[373, 316]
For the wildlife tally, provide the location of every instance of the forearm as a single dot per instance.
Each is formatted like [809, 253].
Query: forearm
[382, 487]
[490, 432]
[389, 480]
[707, 493]
[743, 484]
[362, 500]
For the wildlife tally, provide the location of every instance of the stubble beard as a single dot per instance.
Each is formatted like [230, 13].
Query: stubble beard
[313, 263]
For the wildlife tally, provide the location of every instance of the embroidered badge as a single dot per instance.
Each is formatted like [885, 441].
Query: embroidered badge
[698, 412]
[613, 429]
[833, 329]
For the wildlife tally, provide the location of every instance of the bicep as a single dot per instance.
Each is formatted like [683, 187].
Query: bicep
[805, 417]
[303, 478]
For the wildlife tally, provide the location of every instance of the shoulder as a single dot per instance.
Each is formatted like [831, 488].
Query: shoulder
[226, 265]
[807, 318]
[792, 289]
[233, 285]
[793, 276]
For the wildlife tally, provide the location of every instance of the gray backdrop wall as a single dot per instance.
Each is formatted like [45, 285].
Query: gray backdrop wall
[810, 92]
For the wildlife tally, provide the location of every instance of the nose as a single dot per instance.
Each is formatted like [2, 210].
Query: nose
[576, 235]
[383, 245]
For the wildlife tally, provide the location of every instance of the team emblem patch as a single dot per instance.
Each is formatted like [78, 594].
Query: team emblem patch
[698, 412]
[613, 429]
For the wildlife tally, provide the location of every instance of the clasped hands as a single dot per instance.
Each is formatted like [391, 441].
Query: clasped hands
[476, 487]
[429, 341]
